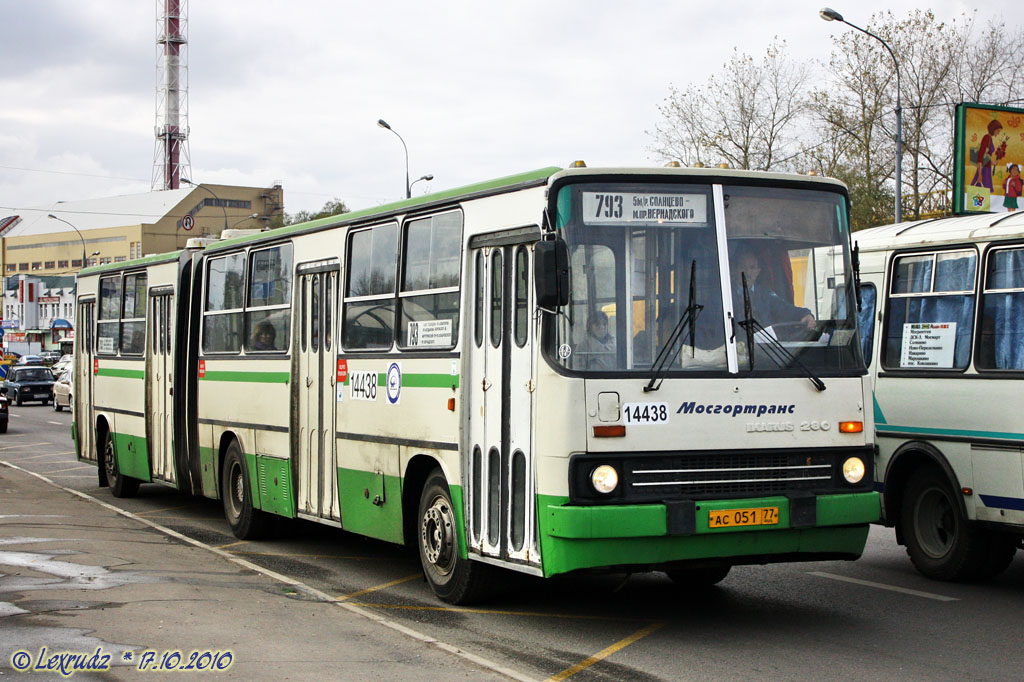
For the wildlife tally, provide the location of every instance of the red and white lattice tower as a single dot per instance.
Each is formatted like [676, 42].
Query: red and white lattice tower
[170, 158]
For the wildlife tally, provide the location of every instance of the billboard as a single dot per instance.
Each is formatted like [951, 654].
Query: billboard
[988, 159]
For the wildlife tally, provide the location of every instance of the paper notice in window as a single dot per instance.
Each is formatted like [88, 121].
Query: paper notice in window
[928, 345]
[766, 335]
[429, 333]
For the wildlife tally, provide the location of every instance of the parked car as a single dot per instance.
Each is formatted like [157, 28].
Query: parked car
[28, 383]
[29, 360]
[63, 391]
[63, 364]
[50, 357]
[3, 414]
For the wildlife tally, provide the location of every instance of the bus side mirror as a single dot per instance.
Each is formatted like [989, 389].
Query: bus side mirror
[551, 273]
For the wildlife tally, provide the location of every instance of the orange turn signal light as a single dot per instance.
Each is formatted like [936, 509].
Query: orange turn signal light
[451, 404]
[851, 427]
[617, 431]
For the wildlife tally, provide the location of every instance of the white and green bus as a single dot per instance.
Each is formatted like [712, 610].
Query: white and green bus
[427, 373]
[943, 330]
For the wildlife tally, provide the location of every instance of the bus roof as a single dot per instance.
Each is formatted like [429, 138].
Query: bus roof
[541, 176]
[969, 228]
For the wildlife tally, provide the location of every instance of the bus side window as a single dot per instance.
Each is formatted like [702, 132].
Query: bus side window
[369, 313]
[432, 257]
[936, 292]
[1001, 337]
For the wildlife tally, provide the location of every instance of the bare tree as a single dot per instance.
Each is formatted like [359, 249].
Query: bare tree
[742, 118]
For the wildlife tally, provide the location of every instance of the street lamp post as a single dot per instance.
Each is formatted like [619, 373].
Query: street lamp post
[829, 14]
[53, 217]
[428, 177]
[202, 186]
[408, 188]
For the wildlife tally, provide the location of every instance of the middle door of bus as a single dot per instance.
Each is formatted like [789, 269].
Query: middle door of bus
[316, 464]
[502, 516]
[160, 387]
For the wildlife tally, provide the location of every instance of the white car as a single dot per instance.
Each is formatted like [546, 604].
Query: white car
[61, 365]
[63, 391]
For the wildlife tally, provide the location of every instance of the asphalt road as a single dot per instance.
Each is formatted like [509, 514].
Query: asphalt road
[875, 618]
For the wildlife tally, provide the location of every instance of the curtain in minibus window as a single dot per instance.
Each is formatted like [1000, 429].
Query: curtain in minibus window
[1001, 343]
[935, 290]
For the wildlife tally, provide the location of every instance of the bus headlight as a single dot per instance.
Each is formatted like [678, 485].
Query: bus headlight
[604, 479]
[853, 470]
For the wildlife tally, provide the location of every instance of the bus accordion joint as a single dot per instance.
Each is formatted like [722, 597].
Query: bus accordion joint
[851, 427]
[615, 431]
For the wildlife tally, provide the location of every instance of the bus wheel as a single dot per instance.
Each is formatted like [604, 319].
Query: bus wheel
[454, 580]
[120, 485]
[940, 541]
[247, 522]
[699, 577]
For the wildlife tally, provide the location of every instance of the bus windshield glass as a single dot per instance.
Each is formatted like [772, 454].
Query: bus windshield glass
[661, 281]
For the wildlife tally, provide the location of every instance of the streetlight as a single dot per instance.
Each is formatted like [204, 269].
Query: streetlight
[201, 186]
[53, 217]
[408, 188]
[428, 177]
[254, 216]
[829, 14]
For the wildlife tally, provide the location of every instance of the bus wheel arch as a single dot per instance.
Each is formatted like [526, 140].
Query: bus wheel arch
[415, 478]
[905, 462]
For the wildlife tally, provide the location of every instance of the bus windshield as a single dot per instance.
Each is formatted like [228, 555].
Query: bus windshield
[664, 278]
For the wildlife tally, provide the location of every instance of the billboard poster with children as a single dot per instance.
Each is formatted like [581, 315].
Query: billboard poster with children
[988, 159]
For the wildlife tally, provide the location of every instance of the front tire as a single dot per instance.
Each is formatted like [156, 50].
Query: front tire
[453, 579]
[56, 406]
[247, 522]
[120, 485]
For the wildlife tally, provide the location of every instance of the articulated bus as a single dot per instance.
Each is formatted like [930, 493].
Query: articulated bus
[425, 373]
[942, 321]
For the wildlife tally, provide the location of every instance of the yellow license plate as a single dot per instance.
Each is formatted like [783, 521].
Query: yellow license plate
[728, 518]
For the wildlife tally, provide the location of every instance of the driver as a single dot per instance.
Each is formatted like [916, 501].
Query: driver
[767, 307]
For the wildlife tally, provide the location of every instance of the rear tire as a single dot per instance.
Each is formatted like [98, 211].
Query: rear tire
[698, 577]
[247, 522]
[120, 485]
[453, 579]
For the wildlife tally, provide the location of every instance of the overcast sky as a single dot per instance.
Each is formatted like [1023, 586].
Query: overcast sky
[290, 92]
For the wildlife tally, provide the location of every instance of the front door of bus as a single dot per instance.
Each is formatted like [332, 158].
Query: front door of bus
[316, 463]
[82, 393]
[501, 482]
[159, 388]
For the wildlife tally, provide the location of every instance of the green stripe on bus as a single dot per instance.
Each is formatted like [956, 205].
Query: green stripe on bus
[121, 373]
[248, 377]
[418, 380]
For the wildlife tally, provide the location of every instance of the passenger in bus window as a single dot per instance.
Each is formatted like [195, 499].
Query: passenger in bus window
[264, 337]
[767, 307]
[598, 346]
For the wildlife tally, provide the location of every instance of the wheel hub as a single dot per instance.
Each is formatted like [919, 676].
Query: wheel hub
[437, 536]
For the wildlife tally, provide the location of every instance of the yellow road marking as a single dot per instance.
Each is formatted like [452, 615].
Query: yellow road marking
[183, 506]
[231, 544]
[346, 597]
[605, 653]
[309, 556]
[495, 612]
[57, 471]
[49, 454]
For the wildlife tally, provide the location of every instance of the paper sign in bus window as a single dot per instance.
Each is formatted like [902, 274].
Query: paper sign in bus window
[928, 345]
[429, 333]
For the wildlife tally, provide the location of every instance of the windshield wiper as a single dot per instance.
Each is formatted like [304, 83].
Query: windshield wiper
[778, 353]
[687, 320]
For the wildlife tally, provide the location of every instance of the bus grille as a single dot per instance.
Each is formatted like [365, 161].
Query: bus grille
[709, 474]
[728, 475]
